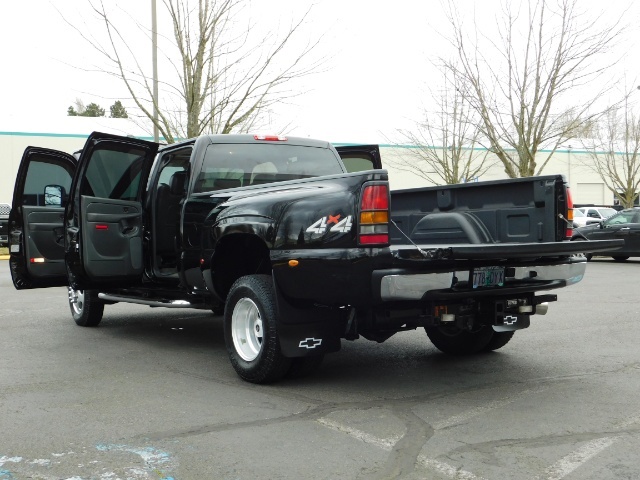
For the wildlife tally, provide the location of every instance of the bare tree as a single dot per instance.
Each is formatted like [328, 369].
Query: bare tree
[523, 83]
[223, 79]
[444, 147]
[614, 153]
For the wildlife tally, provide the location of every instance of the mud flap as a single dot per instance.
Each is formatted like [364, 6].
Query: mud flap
[308, 339]
[306, 331]
[513, 322]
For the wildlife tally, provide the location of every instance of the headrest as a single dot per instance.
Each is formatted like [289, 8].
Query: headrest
[178, 182]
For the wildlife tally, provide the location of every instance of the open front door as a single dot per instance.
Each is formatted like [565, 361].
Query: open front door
[104, 222]
[36, 227]
[358, 158]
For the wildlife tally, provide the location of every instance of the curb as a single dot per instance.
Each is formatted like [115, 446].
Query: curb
[4, 257]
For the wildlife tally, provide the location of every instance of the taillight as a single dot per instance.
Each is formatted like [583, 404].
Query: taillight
[373, 227]
[569, 231]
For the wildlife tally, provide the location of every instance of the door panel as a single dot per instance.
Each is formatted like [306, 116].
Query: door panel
[44, 248]
[111, 237]
[104, 223]
[36, 221]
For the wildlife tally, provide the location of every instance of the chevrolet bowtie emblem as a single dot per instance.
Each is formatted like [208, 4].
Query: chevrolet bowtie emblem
[310, 343]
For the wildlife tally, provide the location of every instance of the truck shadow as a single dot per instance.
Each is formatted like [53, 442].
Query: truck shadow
[194, 341]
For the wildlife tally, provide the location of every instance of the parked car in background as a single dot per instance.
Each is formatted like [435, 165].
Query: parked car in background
[5, 208]
[580, 219]
[597, 213]
[623, 225]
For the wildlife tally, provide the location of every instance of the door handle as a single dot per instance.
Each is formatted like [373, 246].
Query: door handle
[58, 232]
[129, 230]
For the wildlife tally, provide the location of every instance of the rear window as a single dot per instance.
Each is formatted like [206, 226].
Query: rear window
[238, 165]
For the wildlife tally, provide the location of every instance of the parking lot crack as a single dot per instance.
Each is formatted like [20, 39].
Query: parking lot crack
[403, 456]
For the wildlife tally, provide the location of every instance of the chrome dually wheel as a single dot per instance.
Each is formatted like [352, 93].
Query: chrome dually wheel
[247, 329]
[86, 307]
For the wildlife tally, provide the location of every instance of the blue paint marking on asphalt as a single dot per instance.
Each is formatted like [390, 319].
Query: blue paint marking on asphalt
[152, 457]
[155, 461]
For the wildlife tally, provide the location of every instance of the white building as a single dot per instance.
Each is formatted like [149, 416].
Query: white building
[69, 134]
[586, 186]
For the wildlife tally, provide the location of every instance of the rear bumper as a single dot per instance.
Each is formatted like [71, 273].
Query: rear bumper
[365, 278]
[404, 286]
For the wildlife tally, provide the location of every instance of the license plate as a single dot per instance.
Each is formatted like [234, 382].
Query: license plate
[488, 277]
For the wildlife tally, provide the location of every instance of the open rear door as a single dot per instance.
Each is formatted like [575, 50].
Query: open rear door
[36, 227]
[358, 158]
[104, 222]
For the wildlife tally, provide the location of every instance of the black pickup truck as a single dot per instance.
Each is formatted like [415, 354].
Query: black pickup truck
[297, 243]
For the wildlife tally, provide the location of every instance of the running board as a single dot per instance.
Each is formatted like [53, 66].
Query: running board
[151, 303]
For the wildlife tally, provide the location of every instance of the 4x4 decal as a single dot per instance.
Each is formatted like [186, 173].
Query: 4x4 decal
[321, 226]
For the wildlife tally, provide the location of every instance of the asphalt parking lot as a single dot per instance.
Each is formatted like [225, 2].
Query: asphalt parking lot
[150, 394]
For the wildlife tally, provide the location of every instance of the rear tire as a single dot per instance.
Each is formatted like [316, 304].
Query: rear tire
[86, 308]
[250, 330]
[619, 258]
[499, 340]
[456, 341]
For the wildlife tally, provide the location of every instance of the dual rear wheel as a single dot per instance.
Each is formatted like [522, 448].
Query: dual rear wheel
[251, 334]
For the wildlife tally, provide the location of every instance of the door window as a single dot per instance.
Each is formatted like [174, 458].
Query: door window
[354, 162]
[114, 174]
[621, 218]
[42, 172]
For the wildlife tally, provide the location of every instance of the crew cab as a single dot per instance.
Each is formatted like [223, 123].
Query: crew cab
[298, 244]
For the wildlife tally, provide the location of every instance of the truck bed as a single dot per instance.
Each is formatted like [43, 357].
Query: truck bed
[496, 212]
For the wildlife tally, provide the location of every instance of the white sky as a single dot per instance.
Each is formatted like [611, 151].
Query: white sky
[379, 67]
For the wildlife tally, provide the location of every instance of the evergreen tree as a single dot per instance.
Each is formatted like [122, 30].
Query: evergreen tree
[93, 110]
[118, 110]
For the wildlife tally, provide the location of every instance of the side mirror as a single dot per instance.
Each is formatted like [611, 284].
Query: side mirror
[53, 195]
[601, 223]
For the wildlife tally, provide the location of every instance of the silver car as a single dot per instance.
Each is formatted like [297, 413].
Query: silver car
[580, 219]
[597, 213]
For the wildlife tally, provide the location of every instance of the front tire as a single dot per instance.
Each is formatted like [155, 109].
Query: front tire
[456, 341]
[250, 330]
[86, 308]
